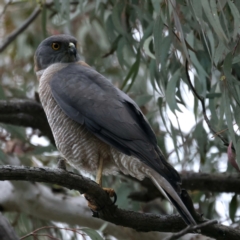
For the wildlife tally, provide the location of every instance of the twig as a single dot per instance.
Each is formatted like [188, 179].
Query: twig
[16, 32]
[201, 99]
[189, 229]
[54, 227]
[175, 34]
[5, 8]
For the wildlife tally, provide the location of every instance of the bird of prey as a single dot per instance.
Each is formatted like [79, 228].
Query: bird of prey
[96, 126]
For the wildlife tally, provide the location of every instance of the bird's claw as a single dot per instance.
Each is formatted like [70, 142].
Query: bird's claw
[111, 193]
[92, 205]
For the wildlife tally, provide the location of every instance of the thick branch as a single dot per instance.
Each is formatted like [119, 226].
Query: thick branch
[214, 182]
[42, 203]
[135, 220]
[15, 106]
[25, 113]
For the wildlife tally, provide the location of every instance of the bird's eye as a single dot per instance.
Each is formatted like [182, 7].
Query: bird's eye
[56, 46]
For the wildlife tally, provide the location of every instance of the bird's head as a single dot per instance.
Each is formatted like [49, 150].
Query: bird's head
[56, 49]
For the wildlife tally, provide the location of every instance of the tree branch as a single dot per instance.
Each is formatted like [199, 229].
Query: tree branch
[139, 221]
[212, 182]
[26, 113]
[19, 30]
[5, 8]
[41, 202]
[188, 229]
[14, 106]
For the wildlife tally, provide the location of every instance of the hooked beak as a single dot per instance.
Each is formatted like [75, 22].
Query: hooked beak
[72, 49]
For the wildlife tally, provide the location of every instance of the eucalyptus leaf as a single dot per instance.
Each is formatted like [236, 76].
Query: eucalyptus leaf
[157, 35]
[236, 15]
[116, 17]
[146, 47]
[210, 9]
[170, 92]
[143, 99]
[229, 119]
[233, 207]
[131, 74]
[93, 234]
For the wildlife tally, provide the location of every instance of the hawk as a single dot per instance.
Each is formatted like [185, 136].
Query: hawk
[96, 126]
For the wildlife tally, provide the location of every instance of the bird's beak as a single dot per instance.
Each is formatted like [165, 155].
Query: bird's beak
[72, 49]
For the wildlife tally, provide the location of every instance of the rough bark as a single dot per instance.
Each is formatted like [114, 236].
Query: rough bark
[40, 202]
[25, 113]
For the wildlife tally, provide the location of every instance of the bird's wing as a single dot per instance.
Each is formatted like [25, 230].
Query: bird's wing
[90, 99]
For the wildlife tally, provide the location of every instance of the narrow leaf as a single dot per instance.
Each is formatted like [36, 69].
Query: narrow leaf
[180, 31]
[93, 234]
[132, 73]
[120, 53]
[143, 99]
[236, 17]
[228, 115]
[232, 157]
[196, 4]
[210, 9]
[170, 92]
[236, 60]
[233, 206]
[116, 16]
[157, 34]
[146, 47]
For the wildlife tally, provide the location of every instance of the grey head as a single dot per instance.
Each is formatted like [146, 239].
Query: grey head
[56, 49]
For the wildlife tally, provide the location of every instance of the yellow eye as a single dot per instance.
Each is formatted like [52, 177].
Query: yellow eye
[56, 46]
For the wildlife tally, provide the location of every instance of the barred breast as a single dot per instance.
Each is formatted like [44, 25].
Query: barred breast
[76, 144]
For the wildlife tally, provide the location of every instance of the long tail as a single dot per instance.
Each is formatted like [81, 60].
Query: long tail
[170, 193]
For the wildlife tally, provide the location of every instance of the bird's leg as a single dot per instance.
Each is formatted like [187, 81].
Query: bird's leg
[99, 172]
[91, 204]
[109, 191]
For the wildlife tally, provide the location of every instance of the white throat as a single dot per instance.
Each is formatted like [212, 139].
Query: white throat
[51, 69]
[40, 73]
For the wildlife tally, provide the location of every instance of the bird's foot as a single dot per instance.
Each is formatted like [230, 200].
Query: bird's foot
[92, 204]
[111, 193]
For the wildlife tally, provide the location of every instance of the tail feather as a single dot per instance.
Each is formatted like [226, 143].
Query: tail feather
[172, 195]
